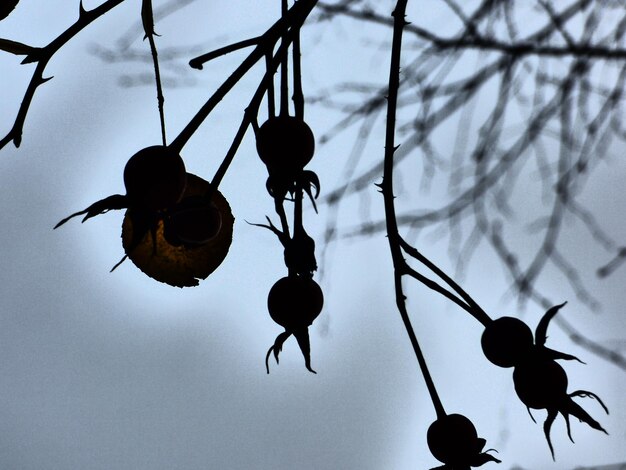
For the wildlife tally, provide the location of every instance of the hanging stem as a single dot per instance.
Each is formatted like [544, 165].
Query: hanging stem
[284, 72]
[147, 18]
[297, 209]
[250, 113]
[298, 94]
[295, 16]
[386, 186]
[271, 104]
[469, 304]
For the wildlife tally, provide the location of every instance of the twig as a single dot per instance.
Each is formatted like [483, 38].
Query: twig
[198, 62]
[296, 15]
[148, 26]
[42, 56]
[387, 191]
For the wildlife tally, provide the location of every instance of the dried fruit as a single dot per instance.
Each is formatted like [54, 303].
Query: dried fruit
[541, 383]
[155, 178]
[180, 264]
[294, 302]
[453, 440]
[506, 341]
[285, 144]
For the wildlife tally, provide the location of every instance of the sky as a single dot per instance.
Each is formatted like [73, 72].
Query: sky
[114, 370]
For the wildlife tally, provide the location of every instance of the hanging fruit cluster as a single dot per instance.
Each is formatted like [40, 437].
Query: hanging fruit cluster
[285, 144]
[540, 382]
[175, 229]
[178, 227]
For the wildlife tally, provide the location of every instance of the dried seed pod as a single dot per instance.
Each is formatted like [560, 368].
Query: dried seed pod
[180, 264]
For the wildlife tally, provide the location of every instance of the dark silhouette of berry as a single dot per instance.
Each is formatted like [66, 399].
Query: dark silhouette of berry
[170, 259]
[294, 302]
[541, 383]
[453, 440]
[285, 144]
[506, 340]
[155, 178]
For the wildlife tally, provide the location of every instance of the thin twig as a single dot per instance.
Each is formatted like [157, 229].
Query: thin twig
[390, 212]
[148, 26]
[198, 62]
[296, 15]
[42, 56]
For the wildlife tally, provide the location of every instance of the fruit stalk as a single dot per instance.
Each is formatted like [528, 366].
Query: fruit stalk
[387, 190]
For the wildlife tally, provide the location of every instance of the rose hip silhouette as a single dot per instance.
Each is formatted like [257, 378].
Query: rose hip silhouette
[540, 382]
[172, 231]
[506, 340]
[453, 440]
[294, 302]
[285, 144]
[187, 243]
[155, 178]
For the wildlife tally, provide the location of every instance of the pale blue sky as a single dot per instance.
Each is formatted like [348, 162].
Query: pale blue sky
[116, 371]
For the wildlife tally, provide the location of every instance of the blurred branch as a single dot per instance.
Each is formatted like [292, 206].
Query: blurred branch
[480, 42]
[550, 92]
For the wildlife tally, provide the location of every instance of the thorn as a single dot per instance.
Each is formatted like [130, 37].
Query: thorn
[81, 9]
[46, 79]
[29, 59]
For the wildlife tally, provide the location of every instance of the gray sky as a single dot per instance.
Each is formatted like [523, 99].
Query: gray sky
[118, 371]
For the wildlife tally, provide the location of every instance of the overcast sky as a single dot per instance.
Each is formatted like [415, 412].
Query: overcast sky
[116, 371]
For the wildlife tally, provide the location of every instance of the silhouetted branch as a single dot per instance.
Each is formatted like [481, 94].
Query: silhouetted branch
[386, 186]
[42, 56]
[198, 62]
[148, 26]
[294, 18]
